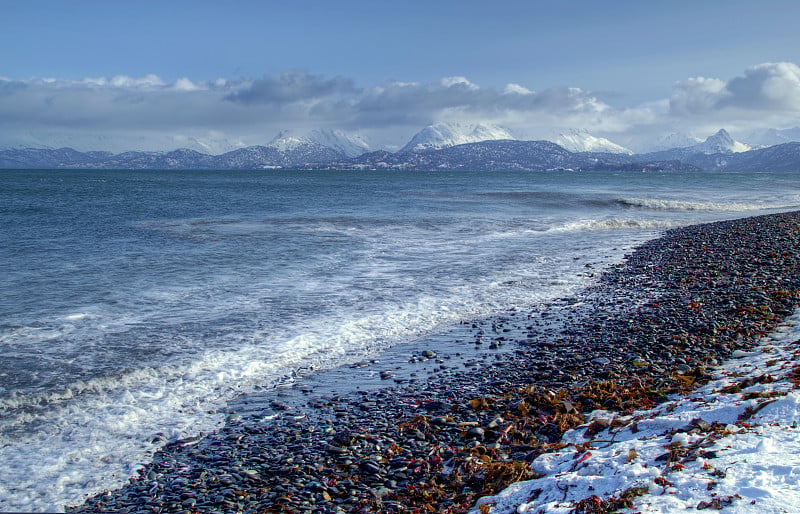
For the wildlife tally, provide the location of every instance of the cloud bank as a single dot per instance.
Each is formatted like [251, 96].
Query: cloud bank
[147, 113]
[764, 88]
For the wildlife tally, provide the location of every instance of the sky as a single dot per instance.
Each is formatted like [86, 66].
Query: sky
[157, 75]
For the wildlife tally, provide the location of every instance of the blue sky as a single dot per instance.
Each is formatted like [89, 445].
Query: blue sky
[618, 69]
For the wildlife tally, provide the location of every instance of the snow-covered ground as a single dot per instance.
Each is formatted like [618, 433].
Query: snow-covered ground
[732, 445]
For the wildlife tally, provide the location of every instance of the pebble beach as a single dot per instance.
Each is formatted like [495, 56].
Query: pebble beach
[436, 424]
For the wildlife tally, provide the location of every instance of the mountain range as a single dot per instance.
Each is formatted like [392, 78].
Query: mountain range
[448, 146]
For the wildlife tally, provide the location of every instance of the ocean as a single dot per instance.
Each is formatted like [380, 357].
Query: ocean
[136, 304]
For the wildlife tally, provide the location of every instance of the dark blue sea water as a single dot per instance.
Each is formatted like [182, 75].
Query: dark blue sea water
[137, 302]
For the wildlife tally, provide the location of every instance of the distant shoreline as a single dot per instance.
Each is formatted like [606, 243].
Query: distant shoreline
[493, 155]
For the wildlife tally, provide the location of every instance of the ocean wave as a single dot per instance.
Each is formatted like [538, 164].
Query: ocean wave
[118, 417]
[612, 224]
[121, 420]
[124, 417]
[657, 204]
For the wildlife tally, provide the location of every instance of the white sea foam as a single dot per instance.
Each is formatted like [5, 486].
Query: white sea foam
[78, 316]
[613, 224]
[95, 433]
[660, 204]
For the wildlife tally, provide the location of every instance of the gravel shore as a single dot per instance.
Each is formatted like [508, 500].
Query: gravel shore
[435, 425]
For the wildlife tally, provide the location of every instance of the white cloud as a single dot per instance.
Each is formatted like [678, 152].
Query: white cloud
[697, 95]
[132, 112]
[123, 81]
[516, 89]
[95, 81]
[405, 84]
[768, 86]
[451, 98]
[765, 96]
[449, 82]
[184, 84]
[291, 86]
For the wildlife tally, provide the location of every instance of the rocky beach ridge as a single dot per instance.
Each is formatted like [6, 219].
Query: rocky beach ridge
[455, 422]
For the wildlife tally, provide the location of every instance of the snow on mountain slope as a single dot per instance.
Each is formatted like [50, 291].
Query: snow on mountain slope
[721, 142]
[771, 137]
[675, 140]
[210, 145]
[350, 145]
[582, 141]
[287, 140]
[444, 135]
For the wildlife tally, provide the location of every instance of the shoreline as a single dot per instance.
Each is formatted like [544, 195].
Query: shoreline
[466, 420]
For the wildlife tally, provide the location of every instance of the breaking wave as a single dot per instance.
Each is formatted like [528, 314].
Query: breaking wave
[612, 224]
[683, 205]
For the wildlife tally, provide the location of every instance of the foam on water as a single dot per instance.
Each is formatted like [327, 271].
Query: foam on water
[660, 204]
[95, 433]
[613, 224]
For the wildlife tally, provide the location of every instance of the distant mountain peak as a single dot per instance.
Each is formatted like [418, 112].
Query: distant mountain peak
[679, 146]
[576, 140]
[350, 145]
[721, 142]
[287, 140]
[675, 140]
[444, 135]
[772, 136]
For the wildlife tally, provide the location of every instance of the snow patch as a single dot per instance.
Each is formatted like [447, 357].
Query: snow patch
[734, 443]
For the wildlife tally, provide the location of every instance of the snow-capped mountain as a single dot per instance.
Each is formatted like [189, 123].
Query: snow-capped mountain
[293, 149]
[287, 140]
[582, 141]
[350, 144]
[438, 147]
[770, 137]
[347, 144]
[721, 142]
[209, 144]
[445, 135]
[492, 155]
[674, 140]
